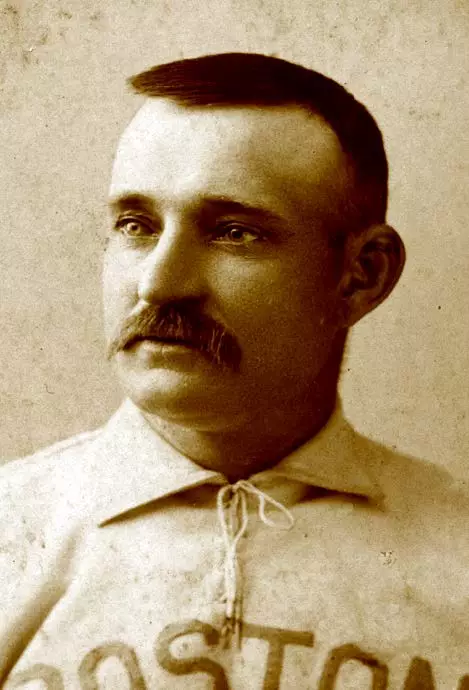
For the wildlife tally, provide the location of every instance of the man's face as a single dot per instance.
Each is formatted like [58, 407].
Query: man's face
[219, 217]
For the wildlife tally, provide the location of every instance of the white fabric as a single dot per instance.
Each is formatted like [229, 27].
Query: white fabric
[119, 567]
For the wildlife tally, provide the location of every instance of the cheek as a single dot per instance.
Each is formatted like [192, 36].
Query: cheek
[273, 299]
[119, 289]
[293, 282]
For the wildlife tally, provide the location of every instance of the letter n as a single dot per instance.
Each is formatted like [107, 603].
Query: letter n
[420, 676]
[350, 652]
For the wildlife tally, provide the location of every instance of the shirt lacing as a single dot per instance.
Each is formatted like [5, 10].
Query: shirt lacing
[233, 517]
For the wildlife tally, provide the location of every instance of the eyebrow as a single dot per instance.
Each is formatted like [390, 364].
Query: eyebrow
[137, 202]
[219, 204]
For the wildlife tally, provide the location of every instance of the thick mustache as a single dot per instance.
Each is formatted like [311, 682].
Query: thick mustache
[179, 323]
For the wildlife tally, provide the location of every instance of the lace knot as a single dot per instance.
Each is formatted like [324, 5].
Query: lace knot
[233, 516]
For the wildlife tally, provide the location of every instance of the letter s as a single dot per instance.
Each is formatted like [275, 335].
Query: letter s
[198, 664]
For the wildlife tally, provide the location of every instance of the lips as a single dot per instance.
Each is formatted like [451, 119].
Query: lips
[162, 341]
[173, 327]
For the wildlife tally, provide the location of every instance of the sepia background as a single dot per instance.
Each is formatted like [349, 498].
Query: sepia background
[63, 103]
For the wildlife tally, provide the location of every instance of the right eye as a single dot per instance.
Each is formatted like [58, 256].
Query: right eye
[134, 228]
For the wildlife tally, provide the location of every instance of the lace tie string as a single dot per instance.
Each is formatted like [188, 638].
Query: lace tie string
[233, 516]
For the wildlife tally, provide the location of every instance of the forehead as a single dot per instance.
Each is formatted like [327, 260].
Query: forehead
[281, 155]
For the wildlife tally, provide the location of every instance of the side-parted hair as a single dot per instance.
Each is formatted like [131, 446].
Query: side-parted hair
[251, 79]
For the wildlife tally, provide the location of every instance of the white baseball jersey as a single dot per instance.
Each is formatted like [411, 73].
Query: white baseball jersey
[123, 564]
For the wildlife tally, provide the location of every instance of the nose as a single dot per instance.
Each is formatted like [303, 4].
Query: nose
[172, 270]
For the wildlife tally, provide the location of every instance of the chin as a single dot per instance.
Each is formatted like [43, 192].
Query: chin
[186, 399]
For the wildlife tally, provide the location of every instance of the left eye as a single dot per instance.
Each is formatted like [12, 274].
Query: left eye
[237, 234]
[133, 227]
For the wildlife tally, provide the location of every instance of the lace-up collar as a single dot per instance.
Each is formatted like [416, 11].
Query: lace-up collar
[134, 466]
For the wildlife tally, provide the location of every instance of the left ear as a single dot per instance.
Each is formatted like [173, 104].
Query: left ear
[374, 260]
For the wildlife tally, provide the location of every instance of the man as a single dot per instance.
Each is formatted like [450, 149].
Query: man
[228, 528]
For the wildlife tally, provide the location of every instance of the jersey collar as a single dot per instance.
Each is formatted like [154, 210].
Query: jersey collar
[132, 465]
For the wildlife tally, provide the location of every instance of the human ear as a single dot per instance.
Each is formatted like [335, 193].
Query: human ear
[374, 260]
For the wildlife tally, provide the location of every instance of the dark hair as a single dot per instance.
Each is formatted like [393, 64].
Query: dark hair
[250, 79]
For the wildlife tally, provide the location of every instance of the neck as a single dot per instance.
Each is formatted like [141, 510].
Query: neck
[246, 450]
[262, 440]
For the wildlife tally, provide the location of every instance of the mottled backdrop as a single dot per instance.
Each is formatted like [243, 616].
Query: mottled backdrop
[63, 103]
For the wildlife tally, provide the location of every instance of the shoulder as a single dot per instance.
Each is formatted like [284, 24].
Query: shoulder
[426, 511]
[410, 484]
[38, 495]
[45, 487]
[42, 472]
